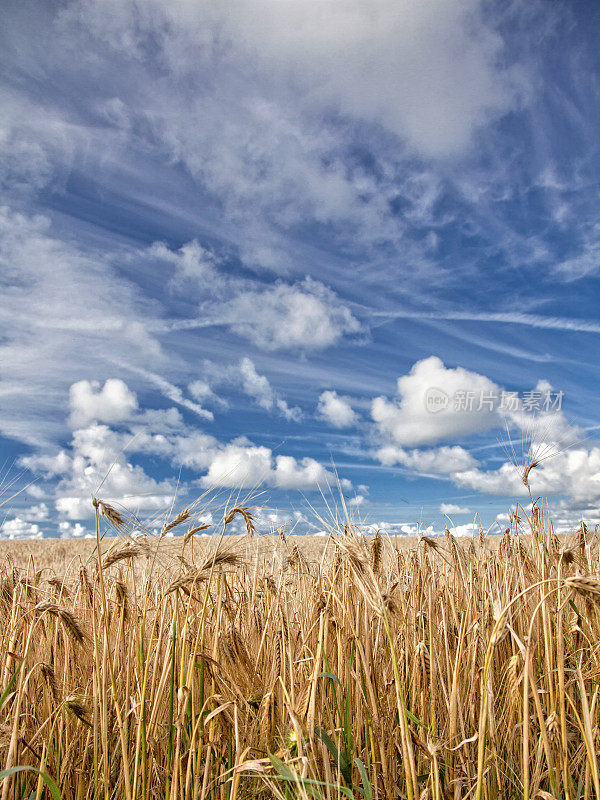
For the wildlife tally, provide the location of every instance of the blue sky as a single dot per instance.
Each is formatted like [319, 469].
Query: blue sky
[241, 242]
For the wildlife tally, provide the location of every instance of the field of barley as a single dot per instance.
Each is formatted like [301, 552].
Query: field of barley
[287, 667]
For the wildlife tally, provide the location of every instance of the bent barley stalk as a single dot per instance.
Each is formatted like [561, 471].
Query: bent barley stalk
[279, 667]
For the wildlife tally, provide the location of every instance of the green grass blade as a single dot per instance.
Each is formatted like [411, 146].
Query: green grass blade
[52, 787]
[366, 783]
[10, 684]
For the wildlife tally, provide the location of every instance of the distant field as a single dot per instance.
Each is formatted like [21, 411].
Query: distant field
[65, 555]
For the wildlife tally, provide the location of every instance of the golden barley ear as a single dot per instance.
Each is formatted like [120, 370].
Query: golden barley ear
[122, 597]
[111, 514]
[526, 471]
[76, 706]
[114, 556]
[430, 543]
[69, 621]
[47, 671]
[191, 531]
[247, 516]
[584, 584]
[182, 517]
[376, 552]
[59, 585]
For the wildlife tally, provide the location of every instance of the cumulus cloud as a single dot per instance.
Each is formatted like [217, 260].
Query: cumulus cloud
[425, 411]
[468, 529]
[37, 513]
[574, 472]
[437, 460]
[99, 457]
[239, 466]
[248, 466]
[69, 530]
[563, 466]
[305, 316]
[452, 508]
[306, 473]
[336, 410]
[96, 457]
[89, 401]
[357, 500]
[18, 528]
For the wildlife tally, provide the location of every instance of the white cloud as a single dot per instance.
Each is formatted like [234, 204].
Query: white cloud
[35, 491]
[48, 464]
[200, 389]
[273, 519]
[429, 73]
[412, 420]
[172, 392]
[18, 528]
[38, 513]
[336, 410]
[246, 377]
[451, 508]
[574, 472]
[468, 529]
[255, 385]
[357, 500]
[586, 262]
[113, 402]
[66, 316]
[260, 390]
[69, 530]
[96, 459]
[192, 262]
[291, 413]
[193, 448]
[416, 529]
[247, 466]
[305, 316]
[306, 473]
[36, 138]
[440, 460]
[239, 466]
[167, 420]
[563, 466]
[99, 462]
[542, 425]
[406, 66]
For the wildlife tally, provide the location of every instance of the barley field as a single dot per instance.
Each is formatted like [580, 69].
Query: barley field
[287, 667]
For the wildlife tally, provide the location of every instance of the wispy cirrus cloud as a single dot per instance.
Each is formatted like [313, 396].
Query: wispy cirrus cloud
[510, 317]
